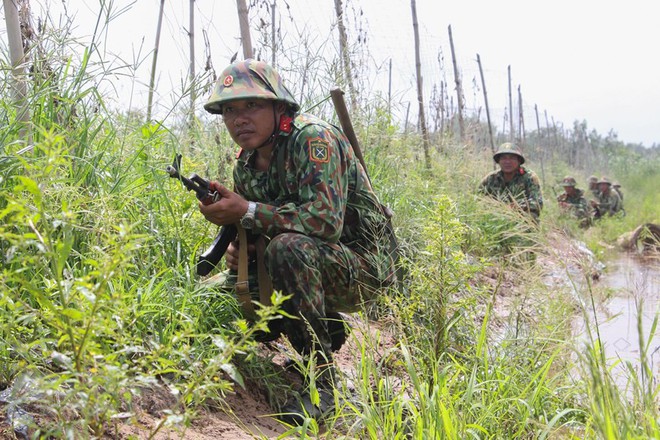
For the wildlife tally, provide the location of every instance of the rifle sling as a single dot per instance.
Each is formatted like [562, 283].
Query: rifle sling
[243, 285]
[265, 284]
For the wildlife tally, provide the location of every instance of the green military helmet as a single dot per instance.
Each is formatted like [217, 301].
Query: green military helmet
[568, 181]
[592, 179]
[616, 185]
[508, 148]
[249, 79]
[605, 180]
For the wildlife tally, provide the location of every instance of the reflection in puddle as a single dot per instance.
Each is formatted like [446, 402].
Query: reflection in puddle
[634, 281]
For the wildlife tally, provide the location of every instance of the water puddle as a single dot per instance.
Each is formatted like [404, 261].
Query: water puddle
[634, 283]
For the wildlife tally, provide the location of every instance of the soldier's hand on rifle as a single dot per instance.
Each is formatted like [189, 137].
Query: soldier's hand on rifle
[227, 210]
[231, 256]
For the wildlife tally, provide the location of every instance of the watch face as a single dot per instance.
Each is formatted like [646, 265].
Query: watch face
[247, 222]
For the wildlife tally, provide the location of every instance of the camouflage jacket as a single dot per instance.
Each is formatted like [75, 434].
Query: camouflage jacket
[524, 190]
[577, 203]
[315, 185]
[608, 203]
[620, 193]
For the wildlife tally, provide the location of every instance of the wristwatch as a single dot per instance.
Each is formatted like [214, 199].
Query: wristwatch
[247, 221]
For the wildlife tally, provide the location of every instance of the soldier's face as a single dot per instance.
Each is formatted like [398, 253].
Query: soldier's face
[570, 190]
[603, 187]
[509, 163]
[250, 121]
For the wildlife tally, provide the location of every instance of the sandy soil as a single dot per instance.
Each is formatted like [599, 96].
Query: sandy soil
[247, 414]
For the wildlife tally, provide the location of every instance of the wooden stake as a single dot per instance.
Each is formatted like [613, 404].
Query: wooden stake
[18, 61]
[541, 149]
[193, 93]
[490, 126]
[345, 54]
[244, 23]
[152, 80]
[512, 133]
[389, 92]
[273, 43]
[420, 91]
[521, 119]
[459, 89]
[443, 106]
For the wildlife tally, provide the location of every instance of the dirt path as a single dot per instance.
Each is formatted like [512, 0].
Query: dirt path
[247, 414]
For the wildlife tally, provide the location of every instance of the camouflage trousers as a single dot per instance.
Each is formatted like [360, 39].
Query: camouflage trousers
[322, 278]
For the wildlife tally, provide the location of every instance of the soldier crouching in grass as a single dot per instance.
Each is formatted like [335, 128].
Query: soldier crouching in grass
[608, 201]
[572, 202]
[513, 184]
[592, 181]
[299, 185]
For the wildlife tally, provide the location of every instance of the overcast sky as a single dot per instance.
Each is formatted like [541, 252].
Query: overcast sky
[576, 59]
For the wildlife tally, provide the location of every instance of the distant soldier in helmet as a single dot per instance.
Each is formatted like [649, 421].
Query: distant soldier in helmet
[593, 186]
[572, 201]
[298, 183]
[513, 183]
[616, 186]
[608, 201]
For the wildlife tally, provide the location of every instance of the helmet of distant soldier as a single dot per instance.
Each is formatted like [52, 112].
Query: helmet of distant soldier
[568, 181]
[249, 79]
[592, 179]
[616, 185]
[508, 148]
[605, 180]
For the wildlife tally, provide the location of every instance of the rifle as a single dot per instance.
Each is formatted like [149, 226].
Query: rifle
[337, 96]
[207, 261]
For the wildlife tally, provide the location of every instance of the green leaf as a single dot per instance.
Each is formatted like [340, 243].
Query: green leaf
[233, 374]
[72, 313]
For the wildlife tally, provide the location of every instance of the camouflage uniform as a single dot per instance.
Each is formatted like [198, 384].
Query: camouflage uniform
[325, 227]
[608, 202]
[593, 186]
[617, 187]
[578, 206]
[524, 190]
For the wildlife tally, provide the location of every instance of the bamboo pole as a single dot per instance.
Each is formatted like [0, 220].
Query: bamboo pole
[152, 80]
[541, 149]
[405, 125]
[512, 133]
[389, 92]
[459, 89]
[244, 24]
[273, 43]
[443, 106]
[420, 91]
[344, 54]
[521, 119]
[554, 126]
[18, 60]
[490, 126]
[193, 93]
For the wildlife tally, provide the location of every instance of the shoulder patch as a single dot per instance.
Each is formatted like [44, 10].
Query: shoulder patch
[319, 150]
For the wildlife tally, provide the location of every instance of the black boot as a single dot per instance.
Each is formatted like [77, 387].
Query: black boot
[299, 408]
[338, 329]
